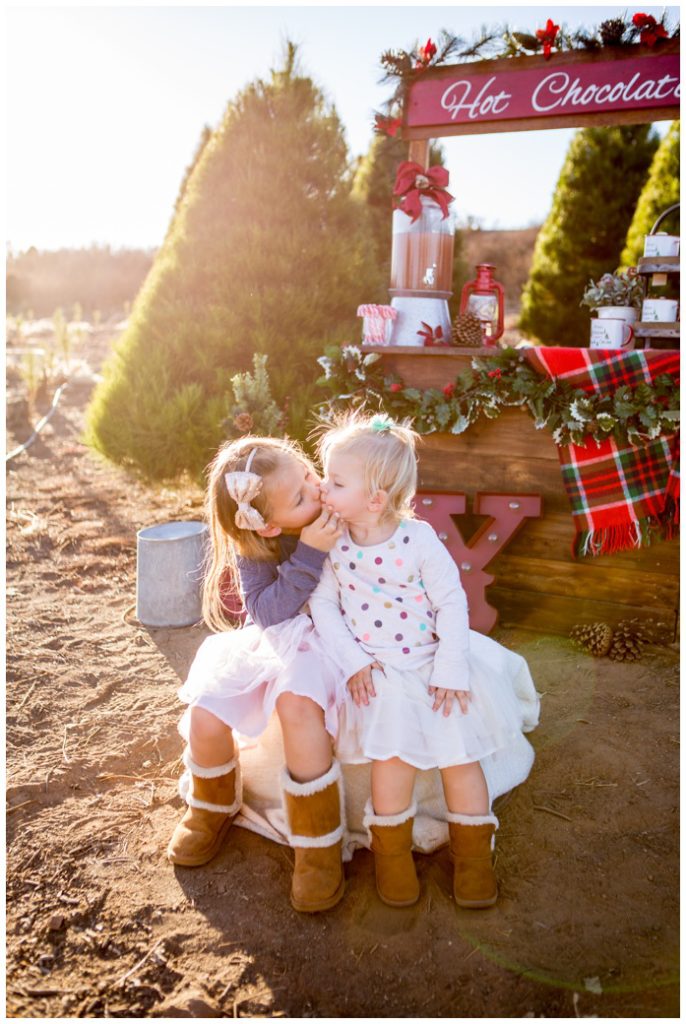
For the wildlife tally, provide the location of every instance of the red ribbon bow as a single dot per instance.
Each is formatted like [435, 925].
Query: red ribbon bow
[547, 36]
[432, 335]
[412, 182]
[650, 30]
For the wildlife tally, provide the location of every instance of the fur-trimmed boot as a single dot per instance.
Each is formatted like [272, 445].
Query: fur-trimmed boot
[472, 838]
[214, 797]
[315, 817]
[391, 843]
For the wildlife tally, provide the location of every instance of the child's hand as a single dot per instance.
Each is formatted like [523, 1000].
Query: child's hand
[323, 533]
[361, 686]
[446, 698]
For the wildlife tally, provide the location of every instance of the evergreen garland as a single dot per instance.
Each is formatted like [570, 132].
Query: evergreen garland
[500, 381]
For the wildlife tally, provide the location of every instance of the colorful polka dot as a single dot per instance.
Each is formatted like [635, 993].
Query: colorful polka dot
[430, 614]
[398, 636]
[344, 547]
[378, 560]
[365, 606]
[403, 615]
[388, 604]
[392, 545]
[336, 565]
[376, 590]
[352, 565]
[410, 579]
[365, 636]
[353, 622]
[359, 554]
[398, 561]
[351, 586]
[419, 598]
[378, 623]
[406, 540]
[406, 650]
[399, 599]
[381, 579]
[422, 625]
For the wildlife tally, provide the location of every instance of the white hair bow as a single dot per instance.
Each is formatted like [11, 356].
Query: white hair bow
[243, 486]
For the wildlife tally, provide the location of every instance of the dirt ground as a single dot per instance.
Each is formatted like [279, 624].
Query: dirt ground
[100, 925]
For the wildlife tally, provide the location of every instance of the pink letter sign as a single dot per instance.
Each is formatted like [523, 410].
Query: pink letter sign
[480, 93]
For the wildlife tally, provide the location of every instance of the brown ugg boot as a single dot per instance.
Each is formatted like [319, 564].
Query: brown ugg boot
[315, 815]
[214, 798]
[471, 843]
[391, 843]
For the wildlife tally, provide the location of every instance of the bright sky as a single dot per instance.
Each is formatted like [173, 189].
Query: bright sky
[106, 106]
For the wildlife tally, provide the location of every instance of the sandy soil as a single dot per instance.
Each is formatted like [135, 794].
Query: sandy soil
[99, 924]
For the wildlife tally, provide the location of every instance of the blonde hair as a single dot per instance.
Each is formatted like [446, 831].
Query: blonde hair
[228, 540]
[387, 452]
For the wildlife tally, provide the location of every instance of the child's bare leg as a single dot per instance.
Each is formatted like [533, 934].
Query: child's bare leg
[307, 744]
[465, 789]
[210, 741]
[392, 785]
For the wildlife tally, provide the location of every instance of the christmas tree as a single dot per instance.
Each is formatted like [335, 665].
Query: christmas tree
[660, 191]
[582, 237]
[267, 253]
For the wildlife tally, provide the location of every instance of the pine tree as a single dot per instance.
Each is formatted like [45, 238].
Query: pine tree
[582, 237]
[267, 253]
[374, 180]
[660, 191]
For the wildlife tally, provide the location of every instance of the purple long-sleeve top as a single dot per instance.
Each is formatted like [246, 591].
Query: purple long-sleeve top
[276, 591]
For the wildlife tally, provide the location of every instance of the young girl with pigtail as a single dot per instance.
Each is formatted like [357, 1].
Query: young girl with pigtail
[431, 693]
[267, 526]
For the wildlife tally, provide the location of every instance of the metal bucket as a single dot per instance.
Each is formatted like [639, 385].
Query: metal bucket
[169, 572]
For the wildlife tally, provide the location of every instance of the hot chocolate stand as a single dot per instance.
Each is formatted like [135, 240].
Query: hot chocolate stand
[515, 504]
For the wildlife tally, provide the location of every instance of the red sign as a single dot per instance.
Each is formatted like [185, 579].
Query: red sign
[545, 90]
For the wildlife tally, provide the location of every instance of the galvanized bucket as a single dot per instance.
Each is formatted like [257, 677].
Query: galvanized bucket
[169, 573]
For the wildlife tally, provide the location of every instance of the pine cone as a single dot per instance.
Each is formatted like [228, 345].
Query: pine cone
[612, 32]
[596, 638]
[627, 642]
[467, 330]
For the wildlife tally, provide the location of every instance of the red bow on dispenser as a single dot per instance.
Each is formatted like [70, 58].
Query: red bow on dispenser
[413, 181]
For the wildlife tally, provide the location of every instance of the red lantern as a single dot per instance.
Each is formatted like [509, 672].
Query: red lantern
[485, 298]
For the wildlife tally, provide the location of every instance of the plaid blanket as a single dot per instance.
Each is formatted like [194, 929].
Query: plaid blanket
[621, 496]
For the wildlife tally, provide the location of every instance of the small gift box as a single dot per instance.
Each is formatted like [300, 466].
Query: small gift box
[377, 324]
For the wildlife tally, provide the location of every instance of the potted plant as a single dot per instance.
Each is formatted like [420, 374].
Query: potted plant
[615, 296]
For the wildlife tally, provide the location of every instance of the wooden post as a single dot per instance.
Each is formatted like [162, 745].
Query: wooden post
[419, 152]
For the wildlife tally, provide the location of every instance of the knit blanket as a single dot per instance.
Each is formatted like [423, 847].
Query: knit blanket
[621, 496]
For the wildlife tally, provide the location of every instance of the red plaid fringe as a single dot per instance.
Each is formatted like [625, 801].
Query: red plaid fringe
[621, 496]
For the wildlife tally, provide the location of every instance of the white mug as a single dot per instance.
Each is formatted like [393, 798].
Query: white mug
[616, 334]
[659, 310]
[661, 245]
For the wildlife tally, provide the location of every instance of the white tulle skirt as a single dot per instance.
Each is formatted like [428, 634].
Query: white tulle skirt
[400, 721]
[238, 675]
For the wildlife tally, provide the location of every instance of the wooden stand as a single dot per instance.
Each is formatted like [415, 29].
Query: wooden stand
[658, 335]
[538, 583]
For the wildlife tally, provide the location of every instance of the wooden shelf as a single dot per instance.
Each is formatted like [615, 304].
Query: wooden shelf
[658, 265]
[657, 329]
[433, 351]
